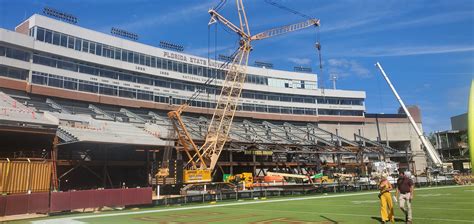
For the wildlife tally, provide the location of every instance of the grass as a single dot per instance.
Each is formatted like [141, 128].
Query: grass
[430, 205]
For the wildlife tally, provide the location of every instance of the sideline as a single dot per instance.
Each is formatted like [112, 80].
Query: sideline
[74, 220]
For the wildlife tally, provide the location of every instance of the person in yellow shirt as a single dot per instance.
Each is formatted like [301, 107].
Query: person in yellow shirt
[386, 203]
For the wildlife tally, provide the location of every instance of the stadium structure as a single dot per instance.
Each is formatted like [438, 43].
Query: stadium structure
[94, 107]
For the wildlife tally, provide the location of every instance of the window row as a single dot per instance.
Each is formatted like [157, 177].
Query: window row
[14, 73]
[163, 82]
[99, 49]
[340, 112]
[358, 102]
[93, 87]
[14, 53]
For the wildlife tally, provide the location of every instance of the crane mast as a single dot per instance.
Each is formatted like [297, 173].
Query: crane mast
[202, 160]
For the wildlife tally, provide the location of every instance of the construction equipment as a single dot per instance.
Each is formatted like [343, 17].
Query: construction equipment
[245, 178]
[435, 159]
[202, 160]
[289, 175]
[324, 180]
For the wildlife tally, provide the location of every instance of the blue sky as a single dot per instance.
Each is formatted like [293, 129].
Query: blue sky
[426, 47]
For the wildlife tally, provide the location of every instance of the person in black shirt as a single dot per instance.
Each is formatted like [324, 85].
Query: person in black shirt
[405, 190]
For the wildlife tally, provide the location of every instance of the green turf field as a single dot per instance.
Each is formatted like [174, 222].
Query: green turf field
[430, 205]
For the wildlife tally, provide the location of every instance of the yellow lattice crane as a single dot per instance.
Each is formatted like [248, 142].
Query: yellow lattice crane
[202, 160]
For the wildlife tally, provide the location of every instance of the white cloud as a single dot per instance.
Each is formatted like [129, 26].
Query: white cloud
[184, 13]
[300, 61]
[412, 50]
[345, 68]
[431, 20]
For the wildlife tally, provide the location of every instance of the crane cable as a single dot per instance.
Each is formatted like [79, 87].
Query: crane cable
[288, 9]
[318, 42]
[220, 5]
[210, 78]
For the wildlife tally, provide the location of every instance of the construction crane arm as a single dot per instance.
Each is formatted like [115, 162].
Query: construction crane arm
[285, 29]
[215, 16]
[434, 156]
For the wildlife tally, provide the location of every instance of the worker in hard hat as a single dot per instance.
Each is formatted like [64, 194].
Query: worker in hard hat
[386, 203]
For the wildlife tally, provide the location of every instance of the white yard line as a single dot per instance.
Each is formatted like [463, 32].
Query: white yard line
[75, 220]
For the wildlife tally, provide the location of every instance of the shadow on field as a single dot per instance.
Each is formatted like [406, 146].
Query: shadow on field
[331, 220]
[380, 219]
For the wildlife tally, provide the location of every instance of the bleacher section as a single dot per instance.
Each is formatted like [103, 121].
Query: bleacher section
[13, 112]
[83, 122]
[110, 132]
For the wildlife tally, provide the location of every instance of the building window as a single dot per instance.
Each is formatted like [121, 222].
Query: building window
[98, 50]
[153, 62]
[108, 90]
[17, 54]
[128, 93]
[85, 46]
[70, 83]
[70, 43]
[88, 86]
[48, 37]
[136, 58]
[92, 48]
[55, 81]
[14, 73]
[78, 44]
[147, 61]
[67, 66]
[124, 55]
[40, 34]
[63, 40]
[144, 95]
[39, 78]
[118, 53]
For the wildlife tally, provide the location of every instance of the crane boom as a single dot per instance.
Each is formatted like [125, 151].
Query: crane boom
[285, 29]
[428, 146]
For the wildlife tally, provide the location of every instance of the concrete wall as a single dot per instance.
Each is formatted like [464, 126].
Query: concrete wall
[459, 122]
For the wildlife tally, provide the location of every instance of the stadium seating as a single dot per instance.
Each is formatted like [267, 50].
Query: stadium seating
[14, 111]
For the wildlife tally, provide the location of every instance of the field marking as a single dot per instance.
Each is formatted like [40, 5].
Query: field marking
[396, 205]
[75, 221]
[433, 195]
[365, 202]
[348, 214]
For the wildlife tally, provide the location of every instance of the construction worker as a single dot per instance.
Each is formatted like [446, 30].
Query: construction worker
[386, 203]
[405, 189]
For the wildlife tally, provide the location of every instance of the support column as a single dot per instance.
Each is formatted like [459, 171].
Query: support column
[148, 170]
[54, 170]
[254, 159]
[231, 162]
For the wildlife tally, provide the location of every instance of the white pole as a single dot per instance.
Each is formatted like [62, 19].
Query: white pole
[429, 147]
